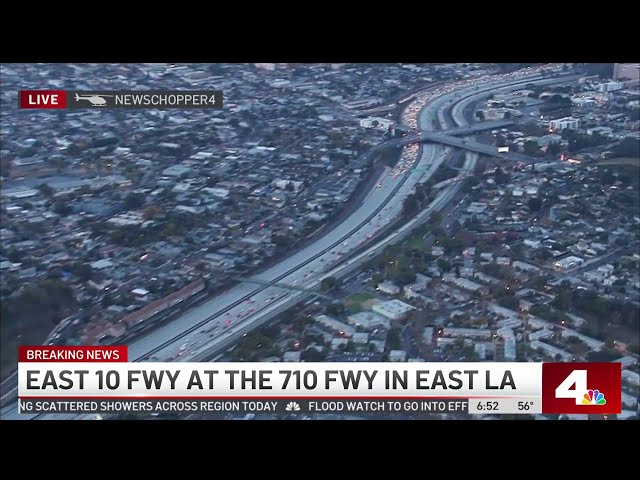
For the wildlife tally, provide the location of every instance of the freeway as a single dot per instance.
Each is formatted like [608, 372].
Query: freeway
[216, 323]
[476, 147]
[437, 110]
[476, 127]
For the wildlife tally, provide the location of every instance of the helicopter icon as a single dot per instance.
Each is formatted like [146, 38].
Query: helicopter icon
[95, 100]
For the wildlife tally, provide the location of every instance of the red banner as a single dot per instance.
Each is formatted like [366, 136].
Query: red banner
[72, 354]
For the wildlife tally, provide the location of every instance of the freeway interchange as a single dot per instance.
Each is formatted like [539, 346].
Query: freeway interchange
[209, 328]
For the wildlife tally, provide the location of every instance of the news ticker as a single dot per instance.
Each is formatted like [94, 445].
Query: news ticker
[101, 380]
[127, 99]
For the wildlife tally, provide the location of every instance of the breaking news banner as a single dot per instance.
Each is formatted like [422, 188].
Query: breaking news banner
[101, 380]
[120, 99]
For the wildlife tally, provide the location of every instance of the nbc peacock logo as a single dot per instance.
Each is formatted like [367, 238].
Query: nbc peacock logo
[292, 407]
[594, 397]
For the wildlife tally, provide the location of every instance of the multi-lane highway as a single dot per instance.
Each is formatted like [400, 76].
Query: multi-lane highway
[215, 324]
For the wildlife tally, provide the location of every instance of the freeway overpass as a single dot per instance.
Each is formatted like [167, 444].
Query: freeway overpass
[451, 141]
[473, 146]
[467, 130]
[479, 127]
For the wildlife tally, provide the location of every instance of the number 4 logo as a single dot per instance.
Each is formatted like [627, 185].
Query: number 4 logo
[577, 378]
[581, 388]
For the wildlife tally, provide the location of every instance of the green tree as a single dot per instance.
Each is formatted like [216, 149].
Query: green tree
[151, 212]
[45, 190]
[534, 204]
[335, 309]
[554, 148]
[410, 206]
[444, 264]
[531, 147]
[107, 300]
[509, 302]
[313, 355]
[328, 283]
[469, 183]
[134, 200]
[280, 241]
[628, 147]
[393, 341]
[376, 279]
[15, 255]
[61, 207]
[82, 270]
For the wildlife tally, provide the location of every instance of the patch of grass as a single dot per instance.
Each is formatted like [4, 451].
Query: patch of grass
[354, 302]
[416, 242]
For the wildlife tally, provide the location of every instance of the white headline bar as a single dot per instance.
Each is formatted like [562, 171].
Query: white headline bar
[47, 380]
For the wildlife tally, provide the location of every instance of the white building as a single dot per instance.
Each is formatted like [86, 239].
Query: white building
[560, 124]
[339, 342]
[503, 261]
[335, 325]
[627, 361]
[631, 377]
[397, 356]
[567, 263]
[469, 252]
[510, 323]
[368, 320]
[376, 122]
[100, 264]
[527, 267]
[420, 284]
[282, 184]
[551, 351]
[427, 335]
[176, 170]
[389, 288]
[394, 309]
[584, 102]
[291, 357]
[467, 332]
[360, 337]
[509, 343]
[468, 285]
[576, 321]
[592, 343]
[217, 192]
[483, 277]
[610, 87]
[629, 400]
[540, 335]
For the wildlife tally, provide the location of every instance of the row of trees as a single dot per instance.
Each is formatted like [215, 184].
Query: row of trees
[43, 302]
